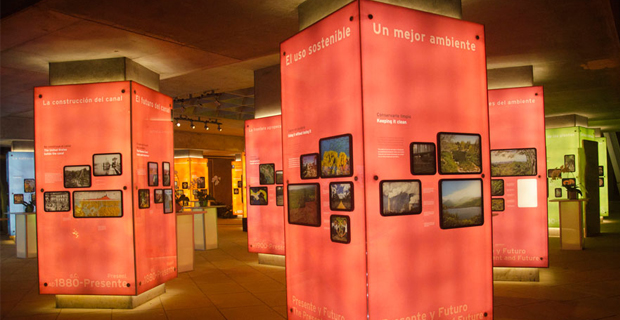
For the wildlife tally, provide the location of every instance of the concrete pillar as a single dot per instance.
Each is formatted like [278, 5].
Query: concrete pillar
[102, 70]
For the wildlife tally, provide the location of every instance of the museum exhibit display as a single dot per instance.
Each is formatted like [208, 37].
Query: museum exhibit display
[519, 177]
[238, 201]
[263, 167]
[376, 198]
[567, 166]
[101, 151]
[20, 178]
[190, 179]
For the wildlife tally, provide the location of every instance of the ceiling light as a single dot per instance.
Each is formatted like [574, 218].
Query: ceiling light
[178, 123]
[219, 128]
[206, 126]
[191, 124]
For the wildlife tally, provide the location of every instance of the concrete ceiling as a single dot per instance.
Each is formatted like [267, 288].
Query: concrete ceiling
[202, 46]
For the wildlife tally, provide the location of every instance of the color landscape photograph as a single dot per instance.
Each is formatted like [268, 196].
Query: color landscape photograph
[497, 204]
[497, 187]
[400, 198]
[461, 203]
[303, 204]
[341, 196]
[90, 204]
[335, 156]
[459, 153]
[423, 158]
[515, 162]
[309, 166]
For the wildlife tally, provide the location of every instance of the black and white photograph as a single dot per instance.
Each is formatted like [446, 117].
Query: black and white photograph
[77, 177]
[423, 158]
[159, 195]
[56, 201]
[107, 164]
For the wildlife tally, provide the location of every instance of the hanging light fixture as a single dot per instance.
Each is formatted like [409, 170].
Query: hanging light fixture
[191, 124]
[219, 128]
[206, 126]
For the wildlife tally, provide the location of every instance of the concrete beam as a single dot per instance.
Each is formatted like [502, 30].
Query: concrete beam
[267, 93]
[570, 120]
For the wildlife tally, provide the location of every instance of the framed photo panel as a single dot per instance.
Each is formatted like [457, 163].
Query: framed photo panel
[461, 203]
[340, 228]
[165, 174]
[423, 158]
[304, 204]
[168, 201]
[279, 196]
[309, 166]
[18, 198]
[558, 192]
[569, 162]
[279, 177]
[29, 185]
[56, 201]
[258, 196]
[335, 153]
[144, 198]
[569, 182]
[267, 173]
[107, 164]
[497, 204]
[513, 162]
[497, 187]
[98, 204]
[77, 177]
[185, 185]
[459, 153]
[153, 174]
[601, 171]
[400, 197]
[159, 195]
[601, 182]
[341, 196]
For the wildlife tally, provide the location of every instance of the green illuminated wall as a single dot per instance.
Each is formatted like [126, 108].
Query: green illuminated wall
[602, 161]
[567, 141]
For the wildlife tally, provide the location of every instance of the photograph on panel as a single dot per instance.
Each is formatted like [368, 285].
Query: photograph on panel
[309, 166]
[95, 204]
[29, 185]
[279, 196]
[279, 177]
[144, 198]
[304, 206]
[153, 174]
[267, 173]
[461, 203]
[107, 164]
[258, 196]
[77, 177]
[56, 201]
[341, 196]
[165, 173]
[168, 200]
[400, 197]
[497, 187]
[569, 162]
[335, 153]
[159, 196]
[459, 153]
[423, 158]
[497, 204]
[340, 228]
[513, 162]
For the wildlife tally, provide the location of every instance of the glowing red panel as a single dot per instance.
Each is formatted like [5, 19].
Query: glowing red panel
[155, 230]
[519, 170]
[424, 80]
[263, 145]
[87, 240]
[321, 99]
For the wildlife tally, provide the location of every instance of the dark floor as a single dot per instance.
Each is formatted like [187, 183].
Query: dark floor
[228, 283]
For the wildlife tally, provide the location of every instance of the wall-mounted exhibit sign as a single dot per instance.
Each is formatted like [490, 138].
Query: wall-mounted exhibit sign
[22, 185]
[393, 195]
[104, 157]
[518, 171]
[238, 201]
[265, 181]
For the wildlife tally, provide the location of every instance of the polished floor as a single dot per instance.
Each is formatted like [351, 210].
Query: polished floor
[228, 283]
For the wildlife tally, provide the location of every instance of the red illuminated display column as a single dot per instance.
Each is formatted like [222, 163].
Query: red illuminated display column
[519, 182]
[386, 159]
[263, 154]
[104, 162]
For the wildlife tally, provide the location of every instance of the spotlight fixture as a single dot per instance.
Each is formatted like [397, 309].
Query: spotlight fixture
[199, 120]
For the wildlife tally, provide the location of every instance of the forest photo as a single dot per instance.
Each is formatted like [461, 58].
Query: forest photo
[304, 204]
[461, 203]
[459, 153]
[515, 162]
[77, 177]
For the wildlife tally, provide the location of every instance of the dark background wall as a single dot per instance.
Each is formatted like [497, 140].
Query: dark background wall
[222, 169]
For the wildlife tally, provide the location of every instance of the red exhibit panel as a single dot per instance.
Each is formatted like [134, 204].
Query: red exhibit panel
[102, 229]
[265, 183]
[392, 103]
[519, 177]
[322, 147]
